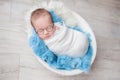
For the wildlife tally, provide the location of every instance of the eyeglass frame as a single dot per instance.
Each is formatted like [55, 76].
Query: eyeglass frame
[43, 30]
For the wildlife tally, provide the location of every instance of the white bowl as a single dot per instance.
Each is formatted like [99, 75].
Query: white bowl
[84, 25]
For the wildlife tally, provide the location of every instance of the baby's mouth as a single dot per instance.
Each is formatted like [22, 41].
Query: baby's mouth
[47, 37]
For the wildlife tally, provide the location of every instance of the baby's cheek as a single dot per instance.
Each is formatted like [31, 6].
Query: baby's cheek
[51, 34]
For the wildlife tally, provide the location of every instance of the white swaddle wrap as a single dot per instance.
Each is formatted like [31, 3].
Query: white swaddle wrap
[68, 42]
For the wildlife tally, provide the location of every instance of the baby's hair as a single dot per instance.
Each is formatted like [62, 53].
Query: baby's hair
[39, 12]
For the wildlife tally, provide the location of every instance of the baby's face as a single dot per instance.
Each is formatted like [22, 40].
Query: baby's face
[44, 27]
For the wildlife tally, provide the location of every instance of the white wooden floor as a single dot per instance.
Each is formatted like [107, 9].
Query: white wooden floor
[16, 58]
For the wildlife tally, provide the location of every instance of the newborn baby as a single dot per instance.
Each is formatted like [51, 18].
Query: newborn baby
[59, 39]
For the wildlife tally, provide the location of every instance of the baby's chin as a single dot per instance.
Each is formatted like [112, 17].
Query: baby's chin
[46, 38]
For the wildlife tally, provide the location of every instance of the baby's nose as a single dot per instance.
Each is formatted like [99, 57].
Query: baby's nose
[45, 32]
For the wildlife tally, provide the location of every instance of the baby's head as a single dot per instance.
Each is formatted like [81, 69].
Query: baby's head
[42, 22]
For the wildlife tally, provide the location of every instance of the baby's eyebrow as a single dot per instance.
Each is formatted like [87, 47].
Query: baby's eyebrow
[40, 28]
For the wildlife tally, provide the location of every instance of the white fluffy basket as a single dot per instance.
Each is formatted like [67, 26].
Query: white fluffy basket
[71, 18]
